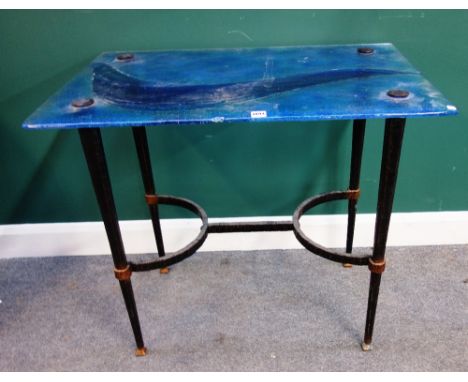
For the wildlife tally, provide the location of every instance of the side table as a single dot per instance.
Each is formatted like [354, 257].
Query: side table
[306, 83]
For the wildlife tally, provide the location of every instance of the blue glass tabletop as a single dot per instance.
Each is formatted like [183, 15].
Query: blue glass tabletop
[305, 83]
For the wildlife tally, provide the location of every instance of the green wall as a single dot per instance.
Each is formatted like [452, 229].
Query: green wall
[231, 170]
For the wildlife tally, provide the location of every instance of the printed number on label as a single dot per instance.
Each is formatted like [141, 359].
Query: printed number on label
[258, 114]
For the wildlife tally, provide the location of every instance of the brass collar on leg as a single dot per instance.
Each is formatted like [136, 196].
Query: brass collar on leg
[376, 267]
[354, 194]
[123, 274]
[151, 199]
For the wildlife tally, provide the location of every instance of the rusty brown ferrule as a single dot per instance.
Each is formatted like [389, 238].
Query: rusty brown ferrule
[141, 352]
[123, 274]
[354, 194]
[151, 199]
[376, 267]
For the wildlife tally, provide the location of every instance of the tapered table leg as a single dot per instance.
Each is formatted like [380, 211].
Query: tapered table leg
[393, 139]
[359, 127]
[94, 152]
[141, 144]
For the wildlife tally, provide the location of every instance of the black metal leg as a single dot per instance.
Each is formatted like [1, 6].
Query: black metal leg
[94, 152]
[393, 139]
[141, 143]
[359, 128]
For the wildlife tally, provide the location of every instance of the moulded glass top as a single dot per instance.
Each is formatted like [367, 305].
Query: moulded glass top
[123, 89]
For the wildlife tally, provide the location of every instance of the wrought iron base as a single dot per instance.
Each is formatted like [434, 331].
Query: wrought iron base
[265, 226]
[317, 248]
[94, 153]
[163, 263]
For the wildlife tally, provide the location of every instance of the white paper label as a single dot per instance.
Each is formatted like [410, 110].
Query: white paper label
[258, 114]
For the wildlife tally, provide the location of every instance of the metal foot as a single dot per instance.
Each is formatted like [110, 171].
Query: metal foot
[366, 347]
[164, 271]
[140, 352]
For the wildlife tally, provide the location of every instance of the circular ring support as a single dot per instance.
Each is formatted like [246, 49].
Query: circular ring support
[313, 246]
[189, 249]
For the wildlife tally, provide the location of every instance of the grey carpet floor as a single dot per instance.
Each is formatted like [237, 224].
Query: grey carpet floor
[237, 311]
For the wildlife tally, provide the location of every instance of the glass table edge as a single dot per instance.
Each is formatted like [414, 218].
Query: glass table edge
[44, 126]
